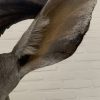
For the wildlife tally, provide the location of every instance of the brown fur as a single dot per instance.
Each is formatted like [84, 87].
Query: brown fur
[54, 36]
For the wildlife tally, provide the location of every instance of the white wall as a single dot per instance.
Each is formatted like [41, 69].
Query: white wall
[76, 78]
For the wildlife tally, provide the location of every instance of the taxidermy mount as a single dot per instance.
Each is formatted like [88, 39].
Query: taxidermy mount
[57, 30]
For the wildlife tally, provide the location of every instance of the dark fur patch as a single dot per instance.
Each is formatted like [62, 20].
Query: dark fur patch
[23, 60]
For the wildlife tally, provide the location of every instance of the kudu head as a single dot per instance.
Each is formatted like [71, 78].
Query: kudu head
[53, 36]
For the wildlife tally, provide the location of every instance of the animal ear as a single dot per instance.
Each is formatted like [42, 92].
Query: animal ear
[56, 32]
[30, 42]
[13, 11]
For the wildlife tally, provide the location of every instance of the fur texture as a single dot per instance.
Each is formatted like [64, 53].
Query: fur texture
[51, 38]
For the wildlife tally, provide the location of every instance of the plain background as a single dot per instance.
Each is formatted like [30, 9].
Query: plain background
[76, 78]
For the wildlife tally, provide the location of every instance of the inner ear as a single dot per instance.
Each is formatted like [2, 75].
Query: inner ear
[23, 60]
